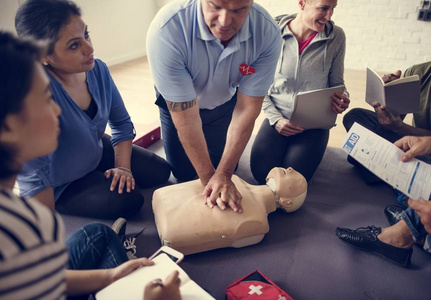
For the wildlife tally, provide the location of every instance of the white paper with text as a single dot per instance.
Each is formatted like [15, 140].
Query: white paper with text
[383, 158]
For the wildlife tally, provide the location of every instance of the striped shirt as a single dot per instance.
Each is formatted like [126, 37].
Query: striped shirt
[33, 256]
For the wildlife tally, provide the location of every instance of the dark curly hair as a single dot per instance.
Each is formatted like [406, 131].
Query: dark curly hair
[18, 59]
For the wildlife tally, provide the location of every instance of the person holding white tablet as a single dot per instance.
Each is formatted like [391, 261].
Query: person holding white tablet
[312, 58]
[33, 253]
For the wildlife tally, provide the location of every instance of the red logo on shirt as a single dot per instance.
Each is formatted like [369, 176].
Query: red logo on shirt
[246, 69]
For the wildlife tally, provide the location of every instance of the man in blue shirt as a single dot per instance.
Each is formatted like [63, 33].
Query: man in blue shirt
[212, 62]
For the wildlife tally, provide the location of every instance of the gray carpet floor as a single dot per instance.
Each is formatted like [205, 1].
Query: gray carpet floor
[301, 252]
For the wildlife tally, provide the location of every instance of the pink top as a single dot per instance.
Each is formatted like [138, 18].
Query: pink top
[305, 43]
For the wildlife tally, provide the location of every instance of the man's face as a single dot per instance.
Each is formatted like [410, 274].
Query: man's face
[224, 18]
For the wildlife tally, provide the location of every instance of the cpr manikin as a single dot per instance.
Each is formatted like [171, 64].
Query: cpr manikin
[187, 225]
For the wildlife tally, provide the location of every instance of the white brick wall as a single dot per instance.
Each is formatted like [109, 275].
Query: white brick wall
[384, 35]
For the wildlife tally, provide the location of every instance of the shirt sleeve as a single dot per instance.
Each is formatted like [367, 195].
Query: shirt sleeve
[119, 120]
[35, 177]
[271, 112]
[336, 74]
[264, 65]
[166, 58]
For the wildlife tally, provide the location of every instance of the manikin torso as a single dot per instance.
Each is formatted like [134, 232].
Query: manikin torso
[186, 224]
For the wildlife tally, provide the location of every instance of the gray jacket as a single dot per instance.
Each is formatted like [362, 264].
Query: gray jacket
[320, 65]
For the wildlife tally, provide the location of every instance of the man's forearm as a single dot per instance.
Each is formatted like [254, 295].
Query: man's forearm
[241, 127]
[405, 129]
[189, 127]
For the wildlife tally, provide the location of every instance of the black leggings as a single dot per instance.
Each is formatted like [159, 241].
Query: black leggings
[90, 195]
[303, 152]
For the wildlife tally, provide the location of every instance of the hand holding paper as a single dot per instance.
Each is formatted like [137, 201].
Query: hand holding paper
[414, 146]
[384, 159]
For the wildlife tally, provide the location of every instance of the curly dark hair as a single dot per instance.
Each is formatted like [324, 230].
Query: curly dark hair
[18, 59]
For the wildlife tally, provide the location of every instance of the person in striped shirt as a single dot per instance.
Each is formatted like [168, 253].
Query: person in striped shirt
[33, 254]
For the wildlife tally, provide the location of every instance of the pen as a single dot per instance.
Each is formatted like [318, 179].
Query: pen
[157, 282]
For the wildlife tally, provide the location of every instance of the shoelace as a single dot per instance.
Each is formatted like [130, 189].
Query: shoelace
[129, 245]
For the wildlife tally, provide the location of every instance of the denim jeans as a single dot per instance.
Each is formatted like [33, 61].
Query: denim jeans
[95, 246]
[417, 228]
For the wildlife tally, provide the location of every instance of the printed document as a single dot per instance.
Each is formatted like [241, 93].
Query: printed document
[383, 158]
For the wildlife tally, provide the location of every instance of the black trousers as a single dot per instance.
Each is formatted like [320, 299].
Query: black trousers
[90, 195]
[303, 152]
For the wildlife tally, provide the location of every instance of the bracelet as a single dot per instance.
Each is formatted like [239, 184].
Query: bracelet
[125, 169]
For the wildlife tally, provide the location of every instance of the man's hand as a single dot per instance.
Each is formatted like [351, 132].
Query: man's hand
[391, 77]
[414, 146]
[284, 127]
[340, 102]
[221, 191]
[423, 210]
[386, 117]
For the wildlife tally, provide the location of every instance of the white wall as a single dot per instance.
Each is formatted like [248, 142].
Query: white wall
[118, 28]
[382, 34]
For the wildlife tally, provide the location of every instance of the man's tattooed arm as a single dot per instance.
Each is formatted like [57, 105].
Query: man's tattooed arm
[180, 106]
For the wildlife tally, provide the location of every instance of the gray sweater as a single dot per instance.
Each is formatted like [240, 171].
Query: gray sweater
[320, 65]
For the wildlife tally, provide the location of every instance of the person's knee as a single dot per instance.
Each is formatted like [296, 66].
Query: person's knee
[358, 115]
[184, 175]
[93, 229]
[126, 204]
[258, 167]
[350, 118]
[163, 172]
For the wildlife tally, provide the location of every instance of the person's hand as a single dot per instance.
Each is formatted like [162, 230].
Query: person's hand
[423, 210]
[168, 289]
[221, 191]
[340, 102]
[391, 77]
[414, 146]
[123, 177]
[284, 127]
[127, 267]
[386, 118]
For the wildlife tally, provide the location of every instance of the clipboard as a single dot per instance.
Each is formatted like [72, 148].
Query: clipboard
[313, 109]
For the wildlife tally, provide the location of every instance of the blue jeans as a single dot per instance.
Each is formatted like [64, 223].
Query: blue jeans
[417, 228]
[95, 246]
[215, 123]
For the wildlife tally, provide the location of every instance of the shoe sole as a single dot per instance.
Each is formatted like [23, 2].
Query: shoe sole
[375, 252]
[118, 225]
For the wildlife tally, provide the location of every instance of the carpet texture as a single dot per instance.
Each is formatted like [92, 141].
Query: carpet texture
[301, 252]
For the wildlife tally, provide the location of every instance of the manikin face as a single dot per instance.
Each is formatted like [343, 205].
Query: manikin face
[73, 52]
[36, 128]
[317, 12]
[290, 187]
[224, 18]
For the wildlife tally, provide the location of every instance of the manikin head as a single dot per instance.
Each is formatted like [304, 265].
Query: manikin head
[289, 187]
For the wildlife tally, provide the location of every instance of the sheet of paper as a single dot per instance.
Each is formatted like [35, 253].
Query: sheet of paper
[132, 286]
[383, 158]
